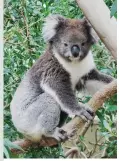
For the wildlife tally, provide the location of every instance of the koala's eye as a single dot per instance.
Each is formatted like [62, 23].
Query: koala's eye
[65, 44]
[83, 43]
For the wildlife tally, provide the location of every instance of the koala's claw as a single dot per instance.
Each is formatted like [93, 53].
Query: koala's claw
[87, 113]
[72, 133]
[60, 134]
[90, 111]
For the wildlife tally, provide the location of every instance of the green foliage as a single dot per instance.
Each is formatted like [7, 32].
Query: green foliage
[112, 4]
[108, 118]
[46, 152]
[114, 9]
[23, 21]
[8, 145]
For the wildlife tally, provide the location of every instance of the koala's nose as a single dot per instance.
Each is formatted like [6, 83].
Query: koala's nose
[75, 50]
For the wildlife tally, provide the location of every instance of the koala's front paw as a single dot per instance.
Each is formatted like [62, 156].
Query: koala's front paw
[86, 113]
[60, 134]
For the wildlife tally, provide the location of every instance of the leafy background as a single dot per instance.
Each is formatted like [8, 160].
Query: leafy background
[23, 44]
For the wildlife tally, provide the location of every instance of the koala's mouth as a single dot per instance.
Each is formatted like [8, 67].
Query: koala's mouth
[74, 58]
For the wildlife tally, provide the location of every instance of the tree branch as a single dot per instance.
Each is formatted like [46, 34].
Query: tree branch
[77, 123]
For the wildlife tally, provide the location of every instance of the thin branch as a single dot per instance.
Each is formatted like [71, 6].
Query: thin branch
[93, 151]
[72, 153]
[25, 20]
[24, 14]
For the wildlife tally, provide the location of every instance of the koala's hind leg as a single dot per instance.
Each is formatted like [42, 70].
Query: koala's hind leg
[48, 121]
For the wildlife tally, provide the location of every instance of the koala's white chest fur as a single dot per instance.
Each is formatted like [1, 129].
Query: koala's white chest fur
[77, 69]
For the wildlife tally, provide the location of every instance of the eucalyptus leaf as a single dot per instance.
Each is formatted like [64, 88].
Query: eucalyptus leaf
[11, 145]
[106, 125]
[114, 8]
[112, 108]
[6, 152]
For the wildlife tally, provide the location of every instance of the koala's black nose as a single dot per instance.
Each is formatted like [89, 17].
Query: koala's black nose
[75, 50]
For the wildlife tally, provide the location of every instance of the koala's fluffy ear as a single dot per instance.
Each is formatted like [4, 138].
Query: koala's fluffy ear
[50, 25]
[93, 34]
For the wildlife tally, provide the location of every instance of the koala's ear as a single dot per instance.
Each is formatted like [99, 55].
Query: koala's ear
[93, 35]
[50, 25]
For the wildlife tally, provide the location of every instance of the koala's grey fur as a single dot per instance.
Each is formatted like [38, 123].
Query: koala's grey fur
[46, 95]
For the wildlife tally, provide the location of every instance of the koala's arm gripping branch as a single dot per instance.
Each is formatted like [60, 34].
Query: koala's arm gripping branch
[105, 26]
[96, 102]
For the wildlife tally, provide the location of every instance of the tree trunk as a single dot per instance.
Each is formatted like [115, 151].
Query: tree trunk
[105, 26]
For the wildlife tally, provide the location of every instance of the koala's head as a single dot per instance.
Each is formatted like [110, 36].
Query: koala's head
[71, 38]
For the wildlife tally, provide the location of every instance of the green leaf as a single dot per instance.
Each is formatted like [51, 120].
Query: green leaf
[6, 153]
[19, 36]
[10, 145]
[39, 3]
[111, 107]
[111, 153]
[81, 138]
[106, 71]
[106, 125]
[114, 8]
[100, 116]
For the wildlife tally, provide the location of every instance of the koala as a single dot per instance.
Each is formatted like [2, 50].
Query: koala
[46, 95]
